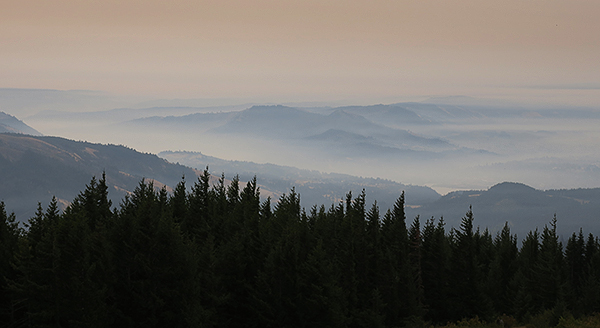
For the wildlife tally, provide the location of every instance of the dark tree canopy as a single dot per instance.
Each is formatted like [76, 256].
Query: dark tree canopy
[215, 256]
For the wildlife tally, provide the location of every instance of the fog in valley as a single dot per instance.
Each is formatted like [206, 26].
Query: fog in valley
[447, 143]
[473, 93]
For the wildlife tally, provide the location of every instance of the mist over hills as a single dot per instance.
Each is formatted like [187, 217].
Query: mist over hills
[35, 168]
[284, 122]
[10, 124]
[444, 143]
[27, 102]
[314, 187]
[335, 133]
[385, 114]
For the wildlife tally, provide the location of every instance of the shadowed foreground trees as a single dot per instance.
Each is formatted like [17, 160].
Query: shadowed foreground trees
[217, 257]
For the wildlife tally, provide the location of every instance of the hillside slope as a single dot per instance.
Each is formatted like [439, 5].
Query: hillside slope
[34, 168]
[314, 187]
[11, 124]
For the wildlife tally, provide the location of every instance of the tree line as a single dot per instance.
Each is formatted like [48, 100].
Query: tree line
[216, 256]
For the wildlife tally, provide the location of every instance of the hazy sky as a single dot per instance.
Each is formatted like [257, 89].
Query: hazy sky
[284, 50]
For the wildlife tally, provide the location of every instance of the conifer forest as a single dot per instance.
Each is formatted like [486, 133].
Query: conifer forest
[218, 256]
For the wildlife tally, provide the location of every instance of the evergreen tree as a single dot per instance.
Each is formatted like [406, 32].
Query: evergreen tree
[467, 296]
[550, 267]
[502, 271]
[198, 220]
[576, 272]
[528, 300]
[217, 257]
[178, 202]
[415, 256]
[238, 253]
[10, 234]
[398, 290]
[38, 288]
[66, 266]
[279, 297]
[155, 267]
[435, 264]
[591, 285]
[373, 246]
[93, 203]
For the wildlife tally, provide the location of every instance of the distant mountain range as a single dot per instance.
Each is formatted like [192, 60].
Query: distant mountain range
[347, 132]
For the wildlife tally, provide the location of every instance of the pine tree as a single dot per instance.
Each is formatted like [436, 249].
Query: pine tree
[38, 288]
[178, 202]
[93, 203]
[527, 300]
[10, 235]
[155, 266]
[66, 266]
[576, 272]
[466, 274]
[198, 220]
[435, 264]
[415, 257]
[550, 267]
[278, 299]
[373, 246]
[591, 286]
[398, 290]
[502, 271]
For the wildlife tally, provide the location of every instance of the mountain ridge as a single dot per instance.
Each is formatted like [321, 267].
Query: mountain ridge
[11, 124]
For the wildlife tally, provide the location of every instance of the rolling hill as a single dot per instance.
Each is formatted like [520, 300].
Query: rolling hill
[523, 207]
[35, 168]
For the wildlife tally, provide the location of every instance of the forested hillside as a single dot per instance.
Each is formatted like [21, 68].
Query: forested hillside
[217, 256]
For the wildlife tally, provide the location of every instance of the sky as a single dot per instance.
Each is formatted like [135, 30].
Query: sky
[284, 50]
